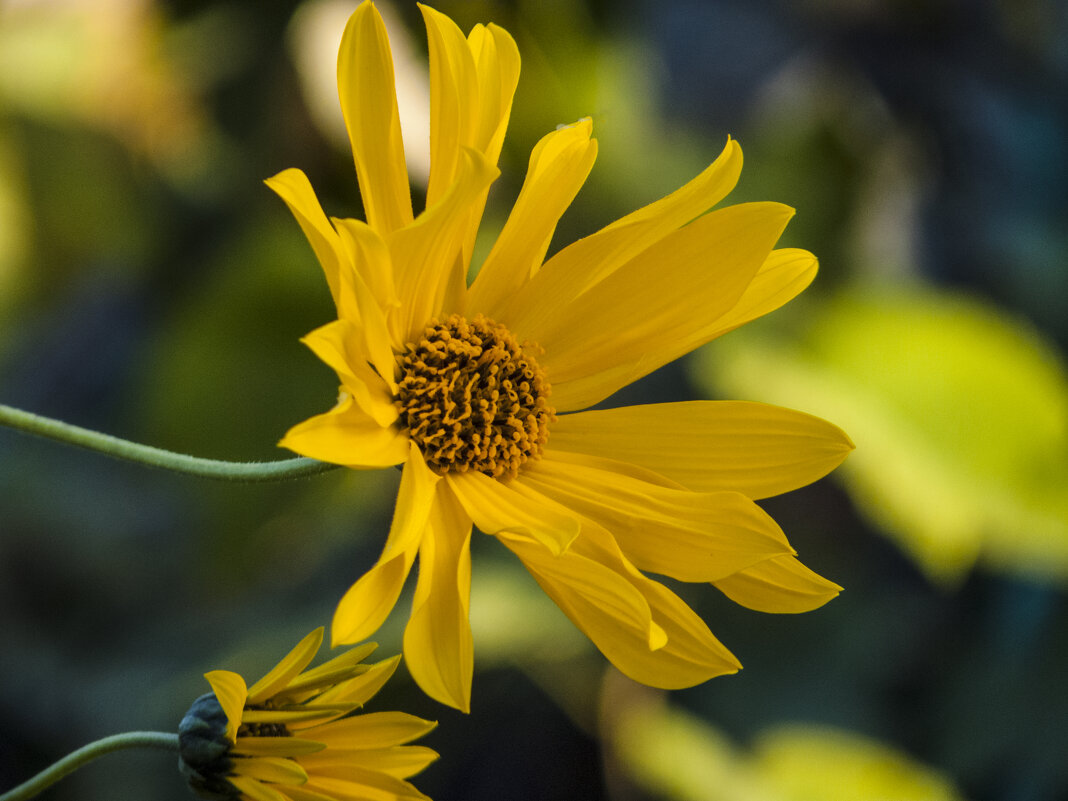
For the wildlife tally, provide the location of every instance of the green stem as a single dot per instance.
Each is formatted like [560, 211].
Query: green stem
[157, 457]
[86, 754]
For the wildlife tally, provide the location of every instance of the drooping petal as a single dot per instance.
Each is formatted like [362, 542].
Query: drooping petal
[295, 189]
[692, 654]
[340, 345]
[369, 314]
[370, 600]
[427, 255]
[369, 105]
[374, 730]
[558, 167]
[635, 319]
[346, 435]
[584, 263]
[495, 507]
[781, 584]
[292, 664]
[437, 640]
[753, 448]
[374, 285]
[676, 650]
[690, 536]
[230, 692]
[602, 603]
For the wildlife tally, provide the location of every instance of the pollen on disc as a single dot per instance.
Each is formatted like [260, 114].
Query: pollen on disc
[473, 398]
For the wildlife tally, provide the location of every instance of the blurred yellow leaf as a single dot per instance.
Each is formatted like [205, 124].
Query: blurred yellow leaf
[679, 756]
[820, 763]
[959, 413]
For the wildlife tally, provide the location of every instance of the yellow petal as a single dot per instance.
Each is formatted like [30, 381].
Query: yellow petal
[370, 600]
[495, 507]
[497, 70]
[369, 105]
[364, 310]
[370, 258]
[602, 603]
[781, 584]
[558, 167]
[230, 691]
[276, 746]
[302, 793]
[675, 650]
[271, 769]
[687, 535]
[454, 101]
[472, 81]
[374, 730]
[437, 640]
[342, 345]
[358, 690]
[645, 314]
[690, 655]
[293, 187]
[687, 202]
[292, 664]
[331, 672]
[400, 762]
[427, 255]
[497, 67]
[753, 448]
[785, 273]
[346, 435]
[350, 783]
[584, 263]
[374, 294]
[254, 789]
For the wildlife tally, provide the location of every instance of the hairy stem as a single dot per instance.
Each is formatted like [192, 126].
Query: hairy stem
[157, 457]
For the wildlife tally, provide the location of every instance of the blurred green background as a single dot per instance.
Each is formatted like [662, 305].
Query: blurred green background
[151, 287]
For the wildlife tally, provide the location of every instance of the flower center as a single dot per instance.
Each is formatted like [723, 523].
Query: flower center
[472, 399]
[262, 729]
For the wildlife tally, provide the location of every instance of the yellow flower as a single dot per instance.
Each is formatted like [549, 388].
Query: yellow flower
[477, 390]
[291, 737]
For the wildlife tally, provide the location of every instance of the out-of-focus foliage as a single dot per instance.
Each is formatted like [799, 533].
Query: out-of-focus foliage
[681, 757]
[960, 416]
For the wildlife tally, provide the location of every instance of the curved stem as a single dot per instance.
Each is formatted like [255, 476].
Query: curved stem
[86, 754]
[157, 457]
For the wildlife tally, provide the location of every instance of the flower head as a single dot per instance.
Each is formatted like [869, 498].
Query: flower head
[479, 390]
[291, 735]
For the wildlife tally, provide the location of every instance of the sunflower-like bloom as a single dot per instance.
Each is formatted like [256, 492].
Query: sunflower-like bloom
[478, 389]
[291, 735]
